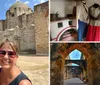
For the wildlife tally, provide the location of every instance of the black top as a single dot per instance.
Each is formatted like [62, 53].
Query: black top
[20, 77]
[17, 80]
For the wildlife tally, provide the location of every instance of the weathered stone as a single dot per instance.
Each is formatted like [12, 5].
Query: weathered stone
[27, 29]
[92, 56]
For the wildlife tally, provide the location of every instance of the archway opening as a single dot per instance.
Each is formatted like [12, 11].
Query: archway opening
[75, 68]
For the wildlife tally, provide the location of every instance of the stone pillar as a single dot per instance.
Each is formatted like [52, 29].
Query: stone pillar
[89, 72]
[57, 70]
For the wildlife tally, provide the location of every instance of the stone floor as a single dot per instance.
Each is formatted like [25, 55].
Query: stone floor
[73, 81]
[35, 67]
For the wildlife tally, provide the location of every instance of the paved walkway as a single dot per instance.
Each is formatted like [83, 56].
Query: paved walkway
[73, 81]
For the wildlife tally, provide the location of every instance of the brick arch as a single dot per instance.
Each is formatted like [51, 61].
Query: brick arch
[81, 47]
[77, 64]
[64, 50]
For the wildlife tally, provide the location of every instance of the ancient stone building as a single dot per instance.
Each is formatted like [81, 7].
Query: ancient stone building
[27, 29]
[60, 51]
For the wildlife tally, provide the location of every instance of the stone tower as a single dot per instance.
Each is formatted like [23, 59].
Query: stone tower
[18, 9]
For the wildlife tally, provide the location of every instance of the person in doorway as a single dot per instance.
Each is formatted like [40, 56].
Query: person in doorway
[10, 74]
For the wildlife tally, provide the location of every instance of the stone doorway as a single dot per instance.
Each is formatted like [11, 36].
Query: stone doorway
[75, 68]
[59, 52]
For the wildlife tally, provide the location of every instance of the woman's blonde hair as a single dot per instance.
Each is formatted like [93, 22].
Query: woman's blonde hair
[13, 46]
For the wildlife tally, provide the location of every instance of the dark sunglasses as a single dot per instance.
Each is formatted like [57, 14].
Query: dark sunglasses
[10, 53]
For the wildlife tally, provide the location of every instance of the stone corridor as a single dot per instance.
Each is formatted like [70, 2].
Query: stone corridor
[61, 51]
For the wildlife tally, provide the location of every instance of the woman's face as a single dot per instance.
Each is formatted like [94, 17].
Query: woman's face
[7, 56]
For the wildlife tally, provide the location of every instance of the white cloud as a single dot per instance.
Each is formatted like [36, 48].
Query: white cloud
[38, 1]
[41, 1]
[17, 0]
[27, 2]
[35, 4]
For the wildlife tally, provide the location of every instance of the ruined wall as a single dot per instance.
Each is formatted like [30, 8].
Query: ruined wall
[1, 25]
[12, 22]
[20, 30]
[41, 28]
[28, 31]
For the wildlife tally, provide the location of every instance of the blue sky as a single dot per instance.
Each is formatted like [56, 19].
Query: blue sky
[72, 64]
[75, 55]
[5, 5]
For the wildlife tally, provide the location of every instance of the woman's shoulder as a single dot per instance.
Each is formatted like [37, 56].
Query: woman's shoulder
[23, 76]
[21, 79]
[25, 82]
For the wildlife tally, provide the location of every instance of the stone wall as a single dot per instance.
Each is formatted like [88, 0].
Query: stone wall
[41, 28]
[19, 30]
[25, 25]
[28, 31]
[1, 25]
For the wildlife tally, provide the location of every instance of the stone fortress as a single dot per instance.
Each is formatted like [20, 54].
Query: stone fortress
[27, 29]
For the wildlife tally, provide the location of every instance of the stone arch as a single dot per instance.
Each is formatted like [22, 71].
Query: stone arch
[79, 47]
[76, 64]
[84, 48]
[90, 51]
[68, 69]
[64, 51]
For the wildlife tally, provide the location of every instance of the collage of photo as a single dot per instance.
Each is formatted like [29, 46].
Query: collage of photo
[50, 42]
[74, 42]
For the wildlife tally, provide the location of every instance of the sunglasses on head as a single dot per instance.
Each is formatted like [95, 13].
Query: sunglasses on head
[9, 53]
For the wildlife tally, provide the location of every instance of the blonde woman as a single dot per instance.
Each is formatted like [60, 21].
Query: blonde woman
[10, 74]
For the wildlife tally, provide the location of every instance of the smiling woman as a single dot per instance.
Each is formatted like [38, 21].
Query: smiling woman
[10, 74]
